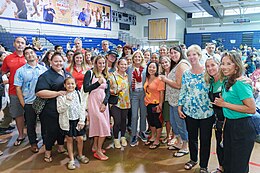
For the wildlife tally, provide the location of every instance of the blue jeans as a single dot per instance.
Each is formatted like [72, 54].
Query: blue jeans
[137, 101]
[178, 124]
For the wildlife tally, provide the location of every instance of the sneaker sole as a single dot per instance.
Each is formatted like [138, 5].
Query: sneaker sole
[144, 140]
[133, 145]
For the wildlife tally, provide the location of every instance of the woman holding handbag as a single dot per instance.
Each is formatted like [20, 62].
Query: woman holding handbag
[120, 88]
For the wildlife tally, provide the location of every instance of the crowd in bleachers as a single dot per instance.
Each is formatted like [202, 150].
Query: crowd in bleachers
[122, 91]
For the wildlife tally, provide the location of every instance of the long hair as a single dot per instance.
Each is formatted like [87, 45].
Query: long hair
[95, 70]
[207, 77]
[45, 59]
[239, 69]
[157, 69]
[73, 63]
[178, 49]
[167, 59]
[142, 56]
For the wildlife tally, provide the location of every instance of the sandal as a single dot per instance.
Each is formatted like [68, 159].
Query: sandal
[154, 146]
[173, 148]
[48, 159]
[190, 164]
[71, 165]
[181, 153]
[64, 151]
[165, 140]
[94, 151]
[83, 159]
[217, 171]
[204, 170]
[149, 142]
[18, 141]
[104, 158]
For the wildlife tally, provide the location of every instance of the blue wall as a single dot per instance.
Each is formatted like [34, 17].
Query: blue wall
[196, 38]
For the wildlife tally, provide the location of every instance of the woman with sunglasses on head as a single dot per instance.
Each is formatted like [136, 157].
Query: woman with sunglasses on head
[195, 108]
[238, 106]
[154, 96]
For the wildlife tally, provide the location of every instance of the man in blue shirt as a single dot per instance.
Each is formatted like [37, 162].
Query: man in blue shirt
[25, 81]
[48, 13]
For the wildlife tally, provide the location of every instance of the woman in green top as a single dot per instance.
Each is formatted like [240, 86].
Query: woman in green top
[238, 106]
[215, 81]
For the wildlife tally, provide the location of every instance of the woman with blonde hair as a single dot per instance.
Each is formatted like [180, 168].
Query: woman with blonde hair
[194, 106]
[136, 77]
[78, 68]
[97, 84]
[215, 81]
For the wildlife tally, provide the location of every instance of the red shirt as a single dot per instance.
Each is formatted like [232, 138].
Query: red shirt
[10, 64]
[78, 75]
[83, 51]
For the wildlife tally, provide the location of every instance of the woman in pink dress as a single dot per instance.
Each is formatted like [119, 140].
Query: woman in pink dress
[96, 83]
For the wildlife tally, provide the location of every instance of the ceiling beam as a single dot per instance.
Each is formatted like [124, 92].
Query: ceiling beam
[174, 8]
[234, 3]
[218, 9]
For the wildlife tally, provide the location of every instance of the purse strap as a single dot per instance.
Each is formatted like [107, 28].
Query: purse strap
[115, 80]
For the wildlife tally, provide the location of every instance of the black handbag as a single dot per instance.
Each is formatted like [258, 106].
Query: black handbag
[39, 104]
[113, 99]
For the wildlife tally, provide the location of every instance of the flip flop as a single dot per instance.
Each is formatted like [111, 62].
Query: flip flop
[181, 153]
[18, 141]
[100, 158]
[173, 148]
[149, 142]
[154, 146]
[94, 151]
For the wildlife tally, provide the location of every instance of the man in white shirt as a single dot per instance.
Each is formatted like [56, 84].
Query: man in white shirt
[8, 9]
[208, 52]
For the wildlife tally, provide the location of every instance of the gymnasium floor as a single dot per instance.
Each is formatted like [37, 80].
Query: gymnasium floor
[139, 159]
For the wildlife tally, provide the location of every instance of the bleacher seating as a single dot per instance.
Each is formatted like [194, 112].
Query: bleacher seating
[88, 42]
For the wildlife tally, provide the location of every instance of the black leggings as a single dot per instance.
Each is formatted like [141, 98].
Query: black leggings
[119, 116]
[218, 134]
[153, 117]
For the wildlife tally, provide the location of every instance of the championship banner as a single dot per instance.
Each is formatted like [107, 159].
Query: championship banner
[82, 13]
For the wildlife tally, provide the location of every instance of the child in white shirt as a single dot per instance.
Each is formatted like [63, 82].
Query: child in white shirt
[72, 120]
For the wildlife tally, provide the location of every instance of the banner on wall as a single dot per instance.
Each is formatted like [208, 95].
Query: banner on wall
[82, 13]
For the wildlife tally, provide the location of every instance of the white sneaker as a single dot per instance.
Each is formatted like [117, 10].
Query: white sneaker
[117, 143]
[71, 165]
[123, 141]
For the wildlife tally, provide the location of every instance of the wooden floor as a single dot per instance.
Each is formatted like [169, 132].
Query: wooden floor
[139, 159]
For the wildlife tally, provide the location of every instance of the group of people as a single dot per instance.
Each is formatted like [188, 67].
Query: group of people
[175, 88]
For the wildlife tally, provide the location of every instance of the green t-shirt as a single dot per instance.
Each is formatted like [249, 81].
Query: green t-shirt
[235, 95]
[217, 86]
